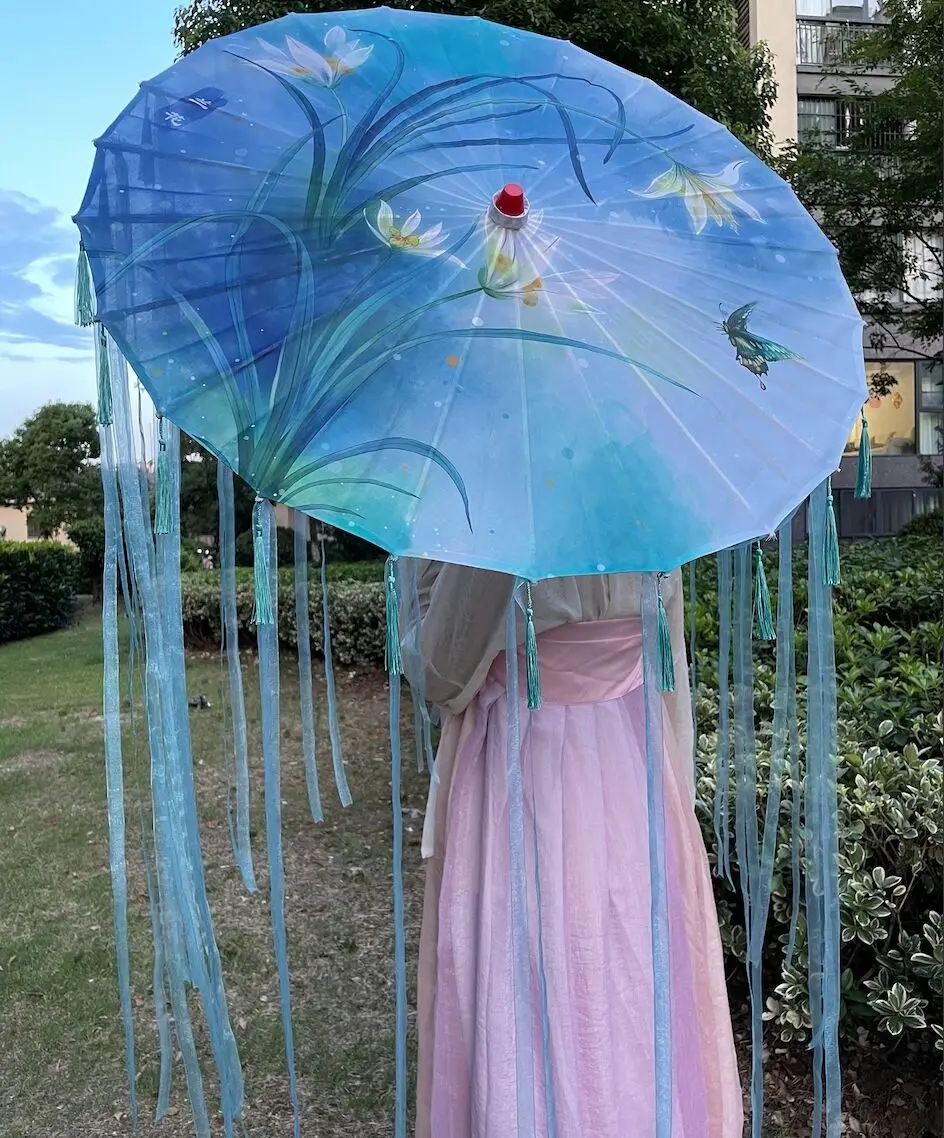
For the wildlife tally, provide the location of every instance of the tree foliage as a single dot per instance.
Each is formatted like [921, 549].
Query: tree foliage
[48, 466]
[690, 47]
[879, 197]
[199, 504]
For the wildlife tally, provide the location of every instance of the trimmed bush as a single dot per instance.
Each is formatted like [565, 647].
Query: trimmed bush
[889, 640]
[930, 524]
[358, 617]
[89, 537]
[38, 583]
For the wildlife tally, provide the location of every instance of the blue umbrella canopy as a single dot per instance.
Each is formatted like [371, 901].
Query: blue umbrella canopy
[641, 351]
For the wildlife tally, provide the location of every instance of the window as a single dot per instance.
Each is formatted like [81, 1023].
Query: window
[924, 256]
[744, 22]
[834, 122]
[929, 377]
[891, 417]
[32, 529]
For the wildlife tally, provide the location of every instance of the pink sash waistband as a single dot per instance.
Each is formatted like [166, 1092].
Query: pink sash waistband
[591, 662]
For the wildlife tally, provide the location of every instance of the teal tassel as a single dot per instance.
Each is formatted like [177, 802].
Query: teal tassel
[831, 552]
[162, 510]
[260, 556]
[104, 379]
[394, 660]
[84, 304]
[864, 473]
[666, 662]
[763, 617]
[531, 656]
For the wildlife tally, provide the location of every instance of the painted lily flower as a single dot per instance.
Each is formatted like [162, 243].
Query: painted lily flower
[299, 61]
[706, 196]
[405, 236]
[516, 268]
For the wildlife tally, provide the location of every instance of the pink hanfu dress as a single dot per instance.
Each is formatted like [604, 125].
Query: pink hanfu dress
[583, 759]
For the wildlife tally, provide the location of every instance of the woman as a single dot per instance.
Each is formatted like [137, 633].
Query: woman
[583, 757]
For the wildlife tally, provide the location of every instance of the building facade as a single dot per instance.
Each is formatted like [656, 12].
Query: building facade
[15, 525]
[809, 41]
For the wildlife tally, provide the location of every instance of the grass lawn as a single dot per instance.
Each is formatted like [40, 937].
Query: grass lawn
[60, 1032]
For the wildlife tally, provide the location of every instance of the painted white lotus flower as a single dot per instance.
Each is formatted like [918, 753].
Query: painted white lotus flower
[298, 61]
[405, 236]
[517, 268]
[706, 196]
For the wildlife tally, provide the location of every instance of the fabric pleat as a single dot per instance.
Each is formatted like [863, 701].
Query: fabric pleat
[586, 801]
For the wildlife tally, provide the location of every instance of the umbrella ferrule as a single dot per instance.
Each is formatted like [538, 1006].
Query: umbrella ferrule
[509, 208]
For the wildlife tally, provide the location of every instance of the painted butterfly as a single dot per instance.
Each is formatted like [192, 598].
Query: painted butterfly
[753, 352]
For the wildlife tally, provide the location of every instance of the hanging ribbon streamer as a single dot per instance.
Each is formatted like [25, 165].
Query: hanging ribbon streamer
[266, 575]
[264, 614]
[532, 666]
[394, 671]
[84, 293]
[722, 812]
[652, 649]
[190, 955]
[763, 617]
[693, 668]
[830, 542]
[414, 669]
[229, 621]
[745, 776]
[302, 529]
[520, 938]
[821, 831]
[334, 731]
[550, 1108]
[158, 984]
[162, 493]
[786, 697]
[114, 768]
[755, 861]
[205, 963]
[104, 378]
[864, 469]
[666, 660]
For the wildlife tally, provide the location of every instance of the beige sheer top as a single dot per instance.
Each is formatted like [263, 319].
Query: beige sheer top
[464, 614]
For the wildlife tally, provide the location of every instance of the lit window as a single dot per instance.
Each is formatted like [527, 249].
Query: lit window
[891, 417]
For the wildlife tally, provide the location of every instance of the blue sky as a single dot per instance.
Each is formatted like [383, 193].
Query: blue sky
[68, 70]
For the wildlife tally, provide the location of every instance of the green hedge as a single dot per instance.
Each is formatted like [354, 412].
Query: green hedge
[930, 524]
[38, 584]
[889, 643]
[358, 619]
[89, 537]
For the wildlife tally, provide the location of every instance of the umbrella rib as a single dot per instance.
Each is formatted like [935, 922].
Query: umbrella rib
[759, 289]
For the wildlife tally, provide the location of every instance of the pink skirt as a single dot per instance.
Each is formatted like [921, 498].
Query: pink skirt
[583, 758]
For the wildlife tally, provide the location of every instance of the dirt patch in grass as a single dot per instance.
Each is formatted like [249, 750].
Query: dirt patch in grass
[60, 1031]
[31, 762]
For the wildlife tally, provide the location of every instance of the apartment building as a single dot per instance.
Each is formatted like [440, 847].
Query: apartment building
[810, 41]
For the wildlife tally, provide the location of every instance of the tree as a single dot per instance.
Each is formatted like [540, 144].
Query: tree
[690, 47]
[879, 197]
[199, 504]
[49, 467]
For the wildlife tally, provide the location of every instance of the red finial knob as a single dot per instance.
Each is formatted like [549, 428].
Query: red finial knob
[510, 201]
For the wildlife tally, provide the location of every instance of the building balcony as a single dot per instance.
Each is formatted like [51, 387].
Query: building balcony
[827, 44]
